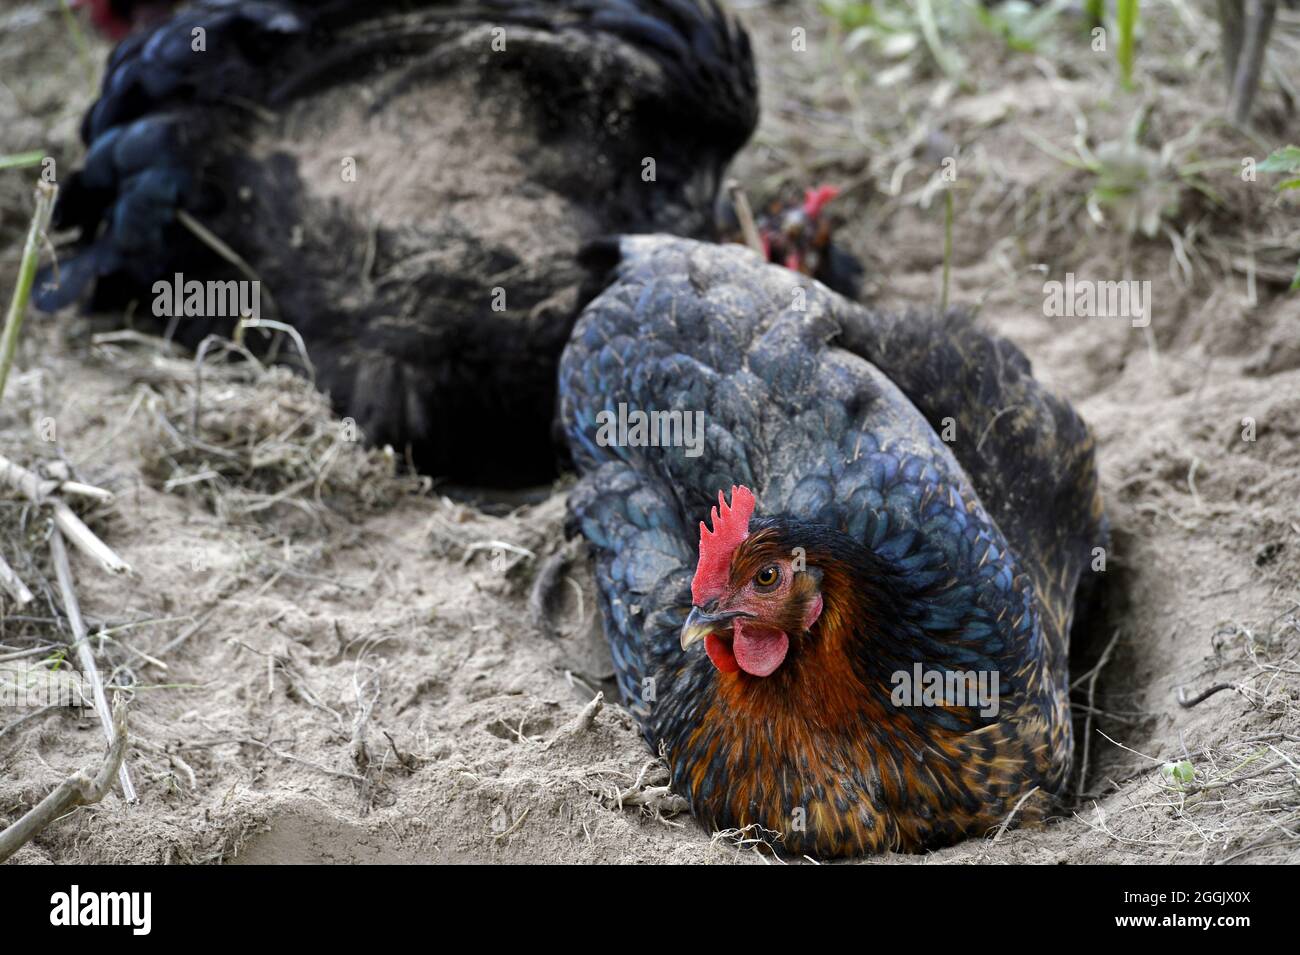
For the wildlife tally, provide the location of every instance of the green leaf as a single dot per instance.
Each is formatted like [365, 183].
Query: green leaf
[949, 60]
[1286, 159]
[848, 13]
[22, 160]
[1126, 13]
[1180, 773]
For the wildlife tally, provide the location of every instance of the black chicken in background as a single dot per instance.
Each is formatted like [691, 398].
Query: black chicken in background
[798, 233]
[411, 183]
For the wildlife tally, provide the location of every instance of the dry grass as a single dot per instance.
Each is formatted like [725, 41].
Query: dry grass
[249, 439]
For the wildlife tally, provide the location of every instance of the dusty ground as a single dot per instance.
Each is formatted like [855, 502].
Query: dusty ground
[335, 663]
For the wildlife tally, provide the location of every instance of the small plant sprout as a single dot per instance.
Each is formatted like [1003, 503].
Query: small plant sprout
[1140, 188]
[1178, 774]
[1287, 162]
[914, 36]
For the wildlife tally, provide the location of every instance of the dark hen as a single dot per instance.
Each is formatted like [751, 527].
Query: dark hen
[490, 140]
[874, 548]
[799, 235]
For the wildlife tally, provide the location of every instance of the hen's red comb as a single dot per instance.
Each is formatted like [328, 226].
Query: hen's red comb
[105, 18]
[730, 527]
[814, 200]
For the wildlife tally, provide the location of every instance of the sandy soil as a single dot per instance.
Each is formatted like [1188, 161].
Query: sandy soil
[359, 677]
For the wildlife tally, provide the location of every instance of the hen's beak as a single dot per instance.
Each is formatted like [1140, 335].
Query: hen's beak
[700, 624]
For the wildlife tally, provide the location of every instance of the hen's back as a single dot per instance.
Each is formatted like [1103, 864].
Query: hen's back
[833, 414]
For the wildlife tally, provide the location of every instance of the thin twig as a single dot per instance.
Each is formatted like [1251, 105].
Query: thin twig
[212, 241]
[293, 333]
[745, 215]
[294, 758]
[538, 594]
[1187, 702]
[515, 825]
[77, 489]
[81, 642]
[1087, 724]
[13, 584]
[29, 652]
[495, 545]
[83, 538]
[1012, 814]
[581, 723]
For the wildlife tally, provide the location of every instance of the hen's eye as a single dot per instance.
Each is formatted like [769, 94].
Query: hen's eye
[768, 576]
